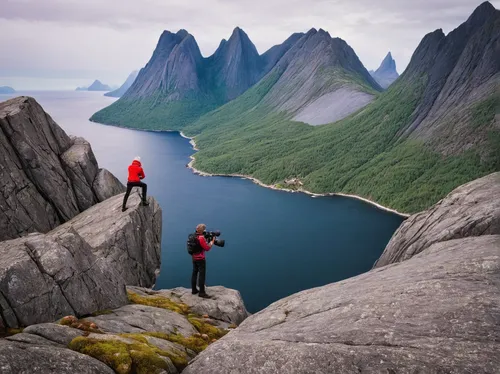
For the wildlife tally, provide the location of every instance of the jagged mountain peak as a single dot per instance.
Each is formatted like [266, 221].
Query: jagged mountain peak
[388, 64]
[386, 74]
[482, 13]
[182, 33]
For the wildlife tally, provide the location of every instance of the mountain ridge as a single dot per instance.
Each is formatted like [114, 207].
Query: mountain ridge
[176, 94]
[391, 151]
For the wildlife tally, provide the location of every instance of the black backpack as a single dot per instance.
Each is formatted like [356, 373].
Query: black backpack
[193, 244]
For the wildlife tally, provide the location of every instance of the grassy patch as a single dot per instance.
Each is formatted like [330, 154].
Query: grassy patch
[204, 327]
[158, 302]
[140, 357]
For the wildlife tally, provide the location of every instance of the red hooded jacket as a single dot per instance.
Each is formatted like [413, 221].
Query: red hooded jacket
[135, 172]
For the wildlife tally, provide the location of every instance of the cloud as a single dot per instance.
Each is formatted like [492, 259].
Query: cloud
[115, 37]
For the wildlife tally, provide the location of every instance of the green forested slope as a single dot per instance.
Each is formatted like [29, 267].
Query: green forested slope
[359, 155]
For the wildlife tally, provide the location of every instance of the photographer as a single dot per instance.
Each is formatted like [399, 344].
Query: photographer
[199, 262]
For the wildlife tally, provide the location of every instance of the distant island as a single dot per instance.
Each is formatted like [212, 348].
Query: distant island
[7, 90]
[96, 86]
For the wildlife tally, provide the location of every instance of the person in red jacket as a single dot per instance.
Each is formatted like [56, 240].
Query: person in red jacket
[135, 175]
[199, 263]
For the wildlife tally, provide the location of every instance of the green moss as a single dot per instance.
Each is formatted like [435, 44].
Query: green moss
[139, 337]
[113, 353]
[140, 357]
[194, 343]
[204, 327]
[158, 302]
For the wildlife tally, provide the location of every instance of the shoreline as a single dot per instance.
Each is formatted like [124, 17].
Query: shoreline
[257, 181]
[273, 187]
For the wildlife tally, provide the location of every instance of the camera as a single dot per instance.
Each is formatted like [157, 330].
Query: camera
[209, 235]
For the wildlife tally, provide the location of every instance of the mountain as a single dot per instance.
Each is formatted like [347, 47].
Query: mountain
[98, 86]
[236, 65]
[178, 85]
[386, 74]
[320, 80]
[434, 129]
[124, 87]
[7, 90]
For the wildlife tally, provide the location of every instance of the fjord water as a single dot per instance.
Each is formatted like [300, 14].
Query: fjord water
[277, 243]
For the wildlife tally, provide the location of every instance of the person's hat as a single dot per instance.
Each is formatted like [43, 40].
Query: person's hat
[137, 158]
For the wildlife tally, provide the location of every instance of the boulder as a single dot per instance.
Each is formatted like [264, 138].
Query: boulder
[127, 242]
[106, 185]
[151, 339]
[46, 177]
[46, 276]
[22, 358]
[81, 167]
[81, 266]
[143, 318]
[470, 210]
[225, 305]
[434, 313]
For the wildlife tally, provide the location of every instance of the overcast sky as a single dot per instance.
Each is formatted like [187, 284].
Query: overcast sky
[59, 44]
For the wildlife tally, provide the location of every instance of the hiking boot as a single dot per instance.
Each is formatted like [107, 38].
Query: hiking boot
[204, 295]
[124, 209]
[144, 203]
[194, 292]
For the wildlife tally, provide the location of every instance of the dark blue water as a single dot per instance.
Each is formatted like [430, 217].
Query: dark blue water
[277, 243]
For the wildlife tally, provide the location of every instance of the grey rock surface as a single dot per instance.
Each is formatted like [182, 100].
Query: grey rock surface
[47, 276]
[45, 176]
[106, 185]
[470, 210]
[333, 106]
[434, 313]
[21, 358]
[142, 318]
[127, 242]
[460, 70]
[81, 266]
[314, 66]
[225, 305]
[54, 332]
[32, 339]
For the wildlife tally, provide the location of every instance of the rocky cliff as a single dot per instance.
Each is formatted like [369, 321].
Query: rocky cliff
[460, 77]
[46, 176]
[81, 266]
[470, 210]
[386, 74]
[436, 312]
[68, 253]
[157, 332]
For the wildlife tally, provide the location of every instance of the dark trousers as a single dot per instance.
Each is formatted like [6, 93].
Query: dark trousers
[131, 185]
[199, 269]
